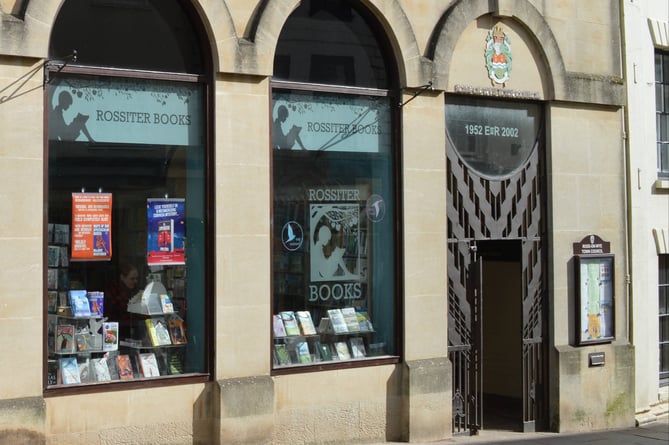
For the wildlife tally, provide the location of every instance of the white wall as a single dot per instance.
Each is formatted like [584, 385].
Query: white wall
[649, 205]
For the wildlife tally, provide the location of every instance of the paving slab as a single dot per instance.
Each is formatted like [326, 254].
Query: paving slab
[653, 433]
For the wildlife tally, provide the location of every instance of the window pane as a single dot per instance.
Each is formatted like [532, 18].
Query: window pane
[663, 127]
[330, 42]
[141, 142]
[664, 360]
[142, 34]
[663, 158]
[333, 246]
[658, 67]
[659, 98]
[494, 138]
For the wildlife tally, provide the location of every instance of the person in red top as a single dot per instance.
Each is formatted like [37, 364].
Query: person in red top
[120, 292]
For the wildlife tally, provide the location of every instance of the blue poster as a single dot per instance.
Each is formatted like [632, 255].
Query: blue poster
[166, 229]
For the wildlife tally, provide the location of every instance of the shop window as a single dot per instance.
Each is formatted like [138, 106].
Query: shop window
[662, 112]
[128, 200]
[335, 211]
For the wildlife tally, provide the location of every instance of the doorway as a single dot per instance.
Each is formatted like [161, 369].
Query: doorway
[501, 334]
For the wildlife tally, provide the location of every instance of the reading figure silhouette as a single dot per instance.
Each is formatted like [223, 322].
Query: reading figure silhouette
[283, 140]
[328, 266]
[62, 131]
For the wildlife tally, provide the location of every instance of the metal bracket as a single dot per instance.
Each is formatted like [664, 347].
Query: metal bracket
[421, 90]
[21, 81]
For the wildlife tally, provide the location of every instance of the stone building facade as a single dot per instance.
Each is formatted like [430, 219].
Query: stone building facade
[477, 207]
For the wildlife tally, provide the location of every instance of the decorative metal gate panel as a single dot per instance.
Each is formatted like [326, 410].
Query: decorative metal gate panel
[485, 209]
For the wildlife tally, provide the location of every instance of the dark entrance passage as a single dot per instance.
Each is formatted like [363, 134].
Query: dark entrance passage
[496, 267]
[501, 335]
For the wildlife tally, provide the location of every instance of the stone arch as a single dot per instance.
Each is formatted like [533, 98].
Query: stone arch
[461, 14]
[31, 35]
[414, 70]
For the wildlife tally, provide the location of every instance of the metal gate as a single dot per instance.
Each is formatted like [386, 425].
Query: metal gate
[484, 209]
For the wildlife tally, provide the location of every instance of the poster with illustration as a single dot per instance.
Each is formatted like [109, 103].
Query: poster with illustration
[595, 276]
[91, 226]
[166, 228]
[335, 237]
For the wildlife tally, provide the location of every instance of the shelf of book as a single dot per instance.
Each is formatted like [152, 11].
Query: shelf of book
[345, 335]
[84, 347]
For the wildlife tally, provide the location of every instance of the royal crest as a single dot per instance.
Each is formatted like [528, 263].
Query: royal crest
[498, 56]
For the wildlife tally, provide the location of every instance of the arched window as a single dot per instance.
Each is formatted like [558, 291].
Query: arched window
[128, 195]
[336, 203]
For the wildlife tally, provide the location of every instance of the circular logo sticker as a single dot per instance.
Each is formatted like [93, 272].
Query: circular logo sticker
[376, 208]
[292, 235]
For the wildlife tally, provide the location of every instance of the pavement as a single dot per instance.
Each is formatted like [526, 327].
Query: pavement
[653, 433]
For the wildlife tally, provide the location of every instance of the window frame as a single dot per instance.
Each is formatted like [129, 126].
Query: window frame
[662, 111]
[398, 262]
[206, 81]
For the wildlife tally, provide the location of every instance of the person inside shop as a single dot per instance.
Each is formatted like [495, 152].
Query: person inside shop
[119, 293]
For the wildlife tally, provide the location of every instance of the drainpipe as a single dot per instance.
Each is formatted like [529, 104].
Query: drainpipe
[628, 181]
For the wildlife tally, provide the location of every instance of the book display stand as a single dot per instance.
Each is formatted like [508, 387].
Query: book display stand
[345, 334]
[85, 348]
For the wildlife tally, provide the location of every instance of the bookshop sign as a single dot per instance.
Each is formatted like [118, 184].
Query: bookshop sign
[318, 122]
[130, 111]
[336, 255]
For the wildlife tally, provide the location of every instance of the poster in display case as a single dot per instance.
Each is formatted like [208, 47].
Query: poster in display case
[595, 302]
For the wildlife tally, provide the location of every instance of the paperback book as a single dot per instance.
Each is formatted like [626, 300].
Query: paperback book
[80, 341]
[325, 352]
[52, 278]
[159, 335]
[69, 370]
[277, 325]
[305, 322]
[337, 321]
[176, 365]
[52, 301]
[85, 373]
[53, 256]
[64, 338]
[281, 354]
[357, 347]
[302, 351]
[166, 304]
[342, 350]
[290, 323]
[351, 319]
[124, 367]
[148, 364]
[79, 303]
[101, 369]
[110, 336]
[96, 301]
[177, 330]
[365, 322]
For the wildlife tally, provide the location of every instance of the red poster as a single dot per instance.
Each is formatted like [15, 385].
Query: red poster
[91, 226]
